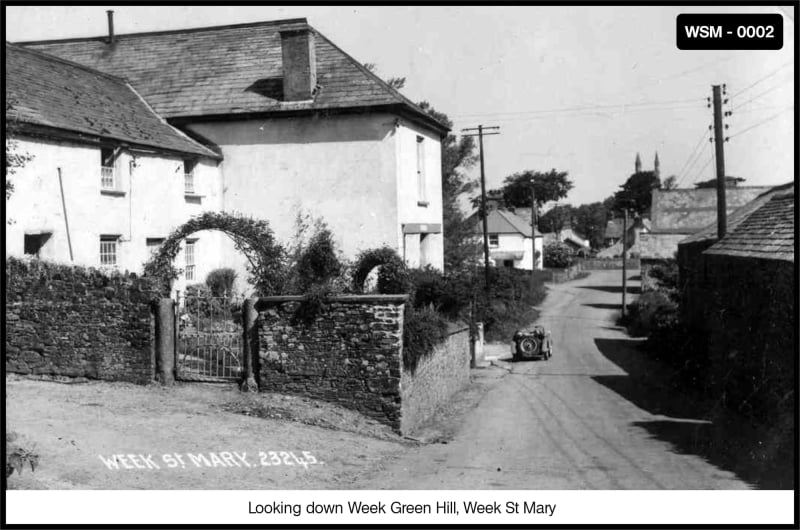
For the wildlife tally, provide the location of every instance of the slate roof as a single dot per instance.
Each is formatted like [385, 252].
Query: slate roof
[226, 70]
[685, 211]
[505, 222]
[767, 233]
[709, 233]
[52, 93]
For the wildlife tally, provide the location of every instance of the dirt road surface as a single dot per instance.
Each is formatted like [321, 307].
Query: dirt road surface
[597, 415]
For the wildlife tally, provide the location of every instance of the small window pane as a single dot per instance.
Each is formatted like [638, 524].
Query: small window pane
[190, 267]
[108, 251]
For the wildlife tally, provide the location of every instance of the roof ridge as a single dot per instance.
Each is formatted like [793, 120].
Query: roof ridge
[287, 21]
[55, 58]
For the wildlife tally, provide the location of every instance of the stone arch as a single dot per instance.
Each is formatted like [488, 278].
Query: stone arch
[252, 237]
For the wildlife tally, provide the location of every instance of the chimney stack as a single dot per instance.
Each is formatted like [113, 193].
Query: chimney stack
[110, 26]
[299, 64]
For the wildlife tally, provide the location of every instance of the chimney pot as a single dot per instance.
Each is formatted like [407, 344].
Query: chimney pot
[299, 64]
[110, 26]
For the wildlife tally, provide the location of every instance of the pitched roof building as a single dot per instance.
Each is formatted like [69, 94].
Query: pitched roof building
[300, 125]
[239, 71]
[53, 97]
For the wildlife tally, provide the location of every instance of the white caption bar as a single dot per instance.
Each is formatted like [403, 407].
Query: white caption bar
[401, 507]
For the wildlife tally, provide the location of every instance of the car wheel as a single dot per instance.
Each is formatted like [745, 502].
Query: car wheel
[528, 346]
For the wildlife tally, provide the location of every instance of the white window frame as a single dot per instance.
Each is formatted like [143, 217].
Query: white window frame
[188, 177]
[496, 238]
[422, 193]
[109, 250]
[108, 174]
[189, 257]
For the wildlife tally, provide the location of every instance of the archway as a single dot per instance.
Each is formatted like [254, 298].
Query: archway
[252, 237]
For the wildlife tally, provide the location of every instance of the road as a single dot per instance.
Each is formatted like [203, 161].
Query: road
[597, 415]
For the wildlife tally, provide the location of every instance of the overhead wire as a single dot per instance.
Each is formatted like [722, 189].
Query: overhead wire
[762, 122]
[748, 87]
[767, 91]
[582, 108]
[691, 156]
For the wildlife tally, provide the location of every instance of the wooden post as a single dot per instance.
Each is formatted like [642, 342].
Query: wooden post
[719, 155]
[165, 341]
[249, 345]
[624, 259]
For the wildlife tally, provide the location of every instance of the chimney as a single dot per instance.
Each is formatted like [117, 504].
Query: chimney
[299, 64]
[110, 26]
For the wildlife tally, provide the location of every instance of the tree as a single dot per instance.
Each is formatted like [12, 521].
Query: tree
[550, 186]
[395, 82]
[730, 182]
[670, 183]
[14, 158]
[556, 218]
[590, 222]
[637, 192]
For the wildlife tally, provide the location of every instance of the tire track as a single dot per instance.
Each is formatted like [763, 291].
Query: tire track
[558, 442]
[584, 424]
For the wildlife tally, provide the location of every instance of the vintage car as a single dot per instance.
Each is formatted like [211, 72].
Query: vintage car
[533, 343]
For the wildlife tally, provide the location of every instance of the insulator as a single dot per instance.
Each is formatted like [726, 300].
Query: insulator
[708, 106]
[710, 127]
[726, 125]
[725, 101]
[727, 138]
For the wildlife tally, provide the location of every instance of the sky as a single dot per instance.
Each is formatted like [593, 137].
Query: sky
[580, 89]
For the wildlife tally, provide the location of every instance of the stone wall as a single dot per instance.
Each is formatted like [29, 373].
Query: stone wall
[70, 321]
[594, 264]
[749, 316]
[437, 377]
[350, 354]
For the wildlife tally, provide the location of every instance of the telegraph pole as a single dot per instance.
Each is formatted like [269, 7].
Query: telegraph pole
[624, 259]
[480, 134]
[533, 231]
[719, 155]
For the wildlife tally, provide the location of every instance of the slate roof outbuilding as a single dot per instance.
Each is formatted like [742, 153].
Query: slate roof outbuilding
[768, 233]
[504, 222]
[230, 70]
[50, 94]
[685, 211]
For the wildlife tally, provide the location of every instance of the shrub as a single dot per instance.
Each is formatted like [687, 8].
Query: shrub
[665, 274]
[220, 281]
[423, 329]
[653, 310]
[558, 256]
[17, 456]
[393, 276]
[318, 263]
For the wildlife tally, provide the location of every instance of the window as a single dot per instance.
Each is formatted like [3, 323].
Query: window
[421, 184]
[108, 250]
[494, 240]
[108, 177]
[35, 242]
[188, 176]
[152, 245]
[189, 253]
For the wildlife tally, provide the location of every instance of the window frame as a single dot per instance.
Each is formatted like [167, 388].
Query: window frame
[108, 170]
[189, 181]
[105, 240]
[189, 253]
[422, 183]
[496, 238]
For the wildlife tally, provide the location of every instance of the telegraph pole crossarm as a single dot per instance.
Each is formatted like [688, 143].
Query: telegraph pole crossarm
[481, 132]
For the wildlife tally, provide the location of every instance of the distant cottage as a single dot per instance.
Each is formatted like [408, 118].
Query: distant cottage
[275, 118]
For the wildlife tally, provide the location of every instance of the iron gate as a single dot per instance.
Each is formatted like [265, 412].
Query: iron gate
[209, 338]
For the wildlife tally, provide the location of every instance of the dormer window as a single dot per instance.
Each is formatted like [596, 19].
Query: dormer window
[188, 176]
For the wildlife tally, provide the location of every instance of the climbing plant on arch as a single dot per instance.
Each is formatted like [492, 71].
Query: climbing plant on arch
[252, 237]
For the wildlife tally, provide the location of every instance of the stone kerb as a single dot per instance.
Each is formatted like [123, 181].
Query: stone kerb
[350, 354]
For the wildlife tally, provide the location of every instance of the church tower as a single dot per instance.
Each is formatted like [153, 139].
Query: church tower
[656, 169]
[638, 163]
